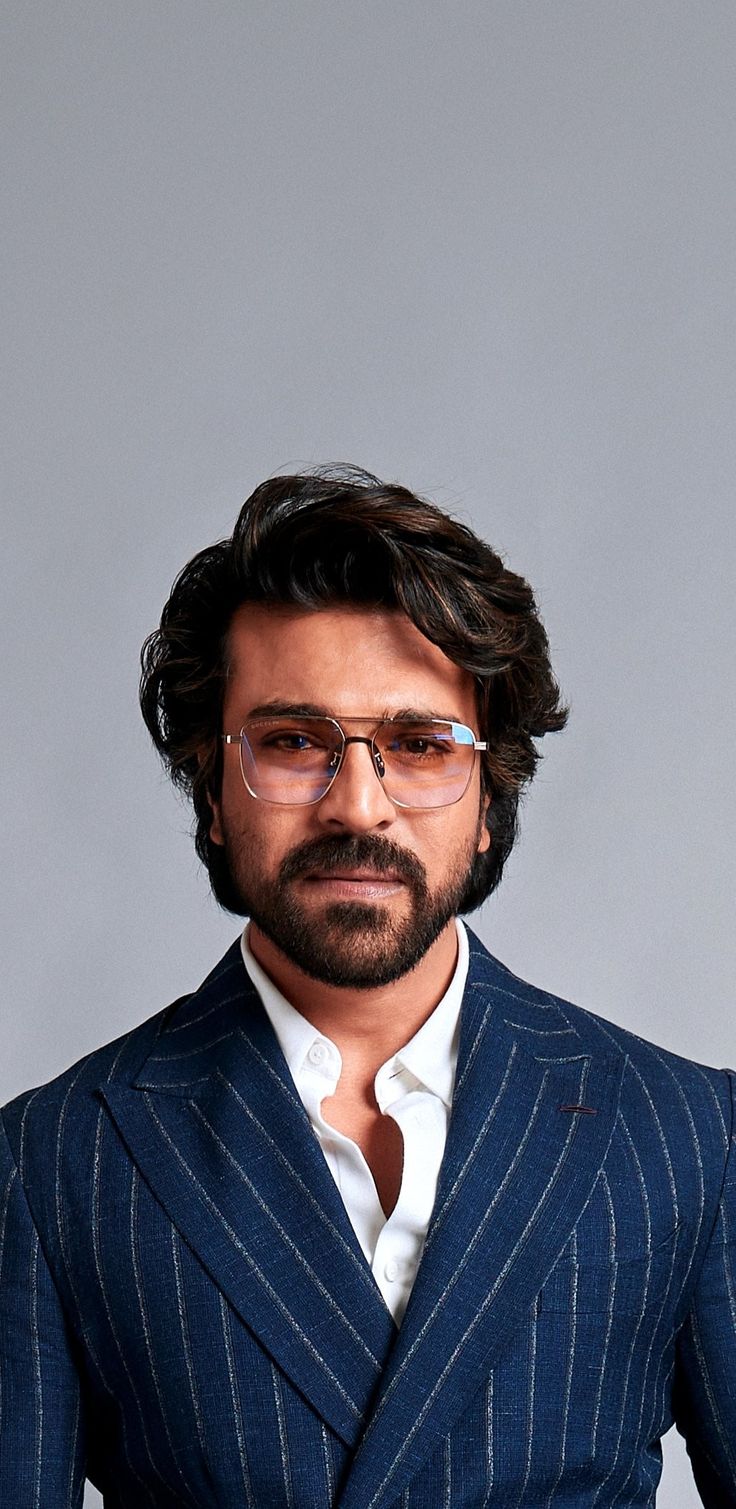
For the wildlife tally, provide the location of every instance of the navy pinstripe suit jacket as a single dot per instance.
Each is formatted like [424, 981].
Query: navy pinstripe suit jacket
[187, 1317]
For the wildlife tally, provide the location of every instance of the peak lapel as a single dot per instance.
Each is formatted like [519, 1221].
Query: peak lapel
[217, 1129]
[517, 1173]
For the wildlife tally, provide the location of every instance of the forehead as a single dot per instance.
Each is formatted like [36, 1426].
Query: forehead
[347, 659]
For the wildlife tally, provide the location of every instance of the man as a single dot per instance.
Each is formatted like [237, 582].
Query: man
[365, 1220]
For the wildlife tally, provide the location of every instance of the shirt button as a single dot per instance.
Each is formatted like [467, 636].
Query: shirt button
[391, 1270]
[318, 1053]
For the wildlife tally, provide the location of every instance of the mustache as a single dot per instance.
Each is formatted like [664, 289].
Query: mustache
[328, 854]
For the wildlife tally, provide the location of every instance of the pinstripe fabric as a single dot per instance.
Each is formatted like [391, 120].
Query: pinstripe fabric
[188, 1319]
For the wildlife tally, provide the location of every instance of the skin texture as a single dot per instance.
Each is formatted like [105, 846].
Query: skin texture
[370, 890]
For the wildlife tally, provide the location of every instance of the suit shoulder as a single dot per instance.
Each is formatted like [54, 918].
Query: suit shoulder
[122, 1057]
[559, 1024]
[37, 1112]
[118, 1058]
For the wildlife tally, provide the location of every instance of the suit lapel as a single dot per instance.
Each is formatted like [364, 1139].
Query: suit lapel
[517, 1173]
[218, 1131]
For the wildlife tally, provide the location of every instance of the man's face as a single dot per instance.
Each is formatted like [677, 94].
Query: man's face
[352, 889]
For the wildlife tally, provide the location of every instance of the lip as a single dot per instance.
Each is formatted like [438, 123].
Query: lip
[365, 885]
[382, 877]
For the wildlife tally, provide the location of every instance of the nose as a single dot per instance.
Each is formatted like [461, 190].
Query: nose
[357, 799]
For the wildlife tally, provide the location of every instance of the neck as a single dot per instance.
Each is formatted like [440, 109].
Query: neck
[370, 1023]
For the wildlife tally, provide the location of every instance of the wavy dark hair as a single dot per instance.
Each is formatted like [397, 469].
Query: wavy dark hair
[339, 535]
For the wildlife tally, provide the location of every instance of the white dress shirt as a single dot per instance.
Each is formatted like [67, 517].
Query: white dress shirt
[414, 1087]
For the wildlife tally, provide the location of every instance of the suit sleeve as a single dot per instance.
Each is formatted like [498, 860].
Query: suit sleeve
[705, 1370]
[41, 1435]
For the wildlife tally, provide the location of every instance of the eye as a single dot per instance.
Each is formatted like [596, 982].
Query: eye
[289, 741]
[280, 738]
[418, 746]
[293, 741]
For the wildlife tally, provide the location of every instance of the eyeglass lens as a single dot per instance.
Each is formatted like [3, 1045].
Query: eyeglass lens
[293, 761]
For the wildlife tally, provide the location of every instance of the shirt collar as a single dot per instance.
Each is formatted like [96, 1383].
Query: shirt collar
[430, 1056]
[295, 1034]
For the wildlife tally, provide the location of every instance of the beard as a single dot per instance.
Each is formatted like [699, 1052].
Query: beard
[350, 944]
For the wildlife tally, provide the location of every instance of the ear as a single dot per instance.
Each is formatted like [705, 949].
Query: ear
[484, 842]
[215, 830]
[216, 833]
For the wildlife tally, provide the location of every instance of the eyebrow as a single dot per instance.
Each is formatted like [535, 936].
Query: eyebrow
[279, 709]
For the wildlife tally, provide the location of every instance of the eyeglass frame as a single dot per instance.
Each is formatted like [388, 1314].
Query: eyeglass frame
[479, 746]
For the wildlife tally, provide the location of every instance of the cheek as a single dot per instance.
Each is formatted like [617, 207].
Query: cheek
[259, 834]
[460, 834]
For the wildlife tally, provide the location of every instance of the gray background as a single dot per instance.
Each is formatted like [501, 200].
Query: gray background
[485, 249]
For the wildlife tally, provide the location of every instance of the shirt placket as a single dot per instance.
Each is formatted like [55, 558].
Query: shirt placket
[421, 1120]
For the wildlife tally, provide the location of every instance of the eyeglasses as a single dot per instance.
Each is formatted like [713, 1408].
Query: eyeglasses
[293, 761]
